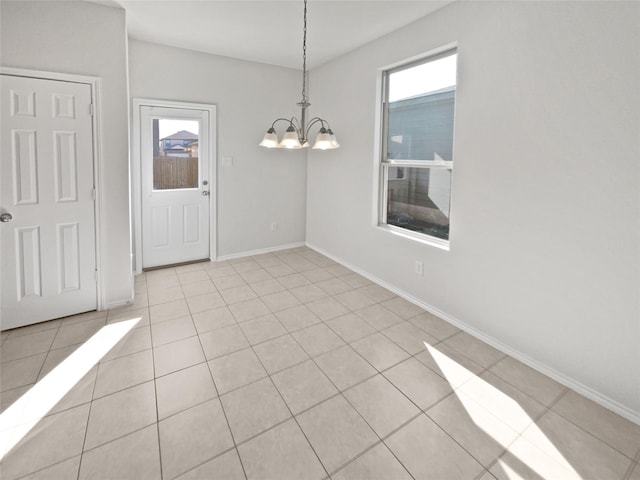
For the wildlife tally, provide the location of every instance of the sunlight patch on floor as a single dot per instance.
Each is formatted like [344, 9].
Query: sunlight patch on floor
[543, 457]
[25, 413]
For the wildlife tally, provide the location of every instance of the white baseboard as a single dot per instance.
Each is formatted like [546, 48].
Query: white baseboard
[261, 251]
[559, 377]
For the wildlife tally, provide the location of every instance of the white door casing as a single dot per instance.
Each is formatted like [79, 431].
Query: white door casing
[47, 186]
[175, 221]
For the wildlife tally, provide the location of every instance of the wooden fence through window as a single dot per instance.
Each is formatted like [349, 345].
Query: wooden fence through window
[175, 172]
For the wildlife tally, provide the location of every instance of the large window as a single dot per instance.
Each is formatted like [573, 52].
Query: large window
[417, 151]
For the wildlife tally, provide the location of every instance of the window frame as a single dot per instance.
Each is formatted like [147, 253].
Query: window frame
[382, 163]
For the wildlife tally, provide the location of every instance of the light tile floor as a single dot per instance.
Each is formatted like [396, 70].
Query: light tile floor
[290, 366]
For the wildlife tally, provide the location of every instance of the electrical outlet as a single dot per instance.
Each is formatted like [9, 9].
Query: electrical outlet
[418, 268]
[274, 226]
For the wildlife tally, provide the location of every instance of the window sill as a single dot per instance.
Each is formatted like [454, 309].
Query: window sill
[416, 237]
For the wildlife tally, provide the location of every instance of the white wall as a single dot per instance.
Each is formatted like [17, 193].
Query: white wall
[85, 39]
[545, 242]
[262, 185]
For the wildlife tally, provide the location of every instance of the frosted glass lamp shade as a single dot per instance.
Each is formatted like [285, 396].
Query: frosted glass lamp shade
[290, 139]
[270, 139]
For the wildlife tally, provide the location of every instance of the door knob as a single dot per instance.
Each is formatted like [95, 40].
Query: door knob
[204, 192]
[6, 217]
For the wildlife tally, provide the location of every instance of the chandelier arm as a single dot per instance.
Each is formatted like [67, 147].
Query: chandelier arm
[279, 119]
[312, 122]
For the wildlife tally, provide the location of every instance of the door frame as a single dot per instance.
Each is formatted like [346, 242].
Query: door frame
[96, 125]
[136, 171]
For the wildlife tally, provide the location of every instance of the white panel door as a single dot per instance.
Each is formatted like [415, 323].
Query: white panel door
[175, 189]
[47, 203]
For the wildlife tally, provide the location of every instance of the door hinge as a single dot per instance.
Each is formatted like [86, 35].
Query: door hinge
[94, 194]
[91, 109]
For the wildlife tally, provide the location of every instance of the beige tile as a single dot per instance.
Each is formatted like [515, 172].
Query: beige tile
[480, 433]
[280, 301]
[427, 452]
[55, 358]
[253, 408]
[8, 397]
[317, 275]
[379, 351]
[378, 316]
[336, 432]
[17, 373]
[213, 319]
[527, 380]
[475, 349]
[223, 341]
[65, 469]
[262, 329]
[258, 275]
[230, 281]
[612, 429]
[167, 311]
[177, 355]
[434, 326]
[280, 270]
[293, 281]
[402, 307]
[80, 394]
[337, 270]
[303, 386]
[200, 288]
[502, 400]
[297, 318]
[334, 286]
[54, 439]
[192, 437]
[136, 455]
[354, 300]
[216, 272]
[184, 389]
[121, 413]
[237, 294]
[249, 309]
[281, 453]
[22, 346]
[345, 367]
[208, 301]
[280, 353]
[451, 365]
[30, 329]
[376, 464]
[136, 340]
[317, 339]
[168, 280]
[196, 276]
[77, 333]
[141, 315]
[381, 404]
[377, 293]
[327, 308]
[139, 301]
[267, 260]
[236, 370]
[243, 265]
[158, 296]
[267, 287]
[172, 330]
[408, 337]
[421, 385]
[191, 267]
[82, 317]
[225, 467]
[355, 280]
[635, 473]
[124, 372]
[588, 456]
[350, 327]
[308, 293]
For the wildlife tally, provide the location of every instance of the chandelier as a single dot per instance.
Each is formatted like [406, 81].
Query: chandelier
[296, 134]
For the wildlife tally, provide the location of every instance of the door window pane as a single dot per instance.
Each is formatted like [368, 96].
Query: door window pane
[175, 153]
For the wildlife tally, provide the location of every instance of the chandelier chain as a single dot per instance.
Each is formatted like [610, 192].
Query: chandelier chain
[304, 55]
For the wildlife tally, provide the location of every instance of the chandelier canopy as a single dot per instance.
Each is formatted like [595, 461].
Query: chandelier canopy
[297, 132]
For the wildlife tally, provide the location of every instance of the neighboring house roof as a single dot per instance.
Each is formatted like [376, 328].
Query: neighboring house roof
[181, 135]
[176, 147]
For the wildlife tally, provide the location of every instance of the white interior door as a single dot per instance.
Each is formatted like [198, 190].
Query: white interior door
[176, 190]
[47, 200]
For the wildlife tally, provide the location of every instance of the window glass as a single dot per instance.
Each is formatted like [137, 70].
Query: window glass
[175, 153]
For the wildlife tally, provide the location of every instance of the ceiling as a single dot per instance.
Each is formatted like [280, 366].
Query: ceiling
[269, 31]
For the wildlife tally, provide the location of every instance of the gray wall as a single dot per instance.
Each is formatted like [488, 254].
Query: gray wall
[545, 241]
[85, 39]
[262, 185]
